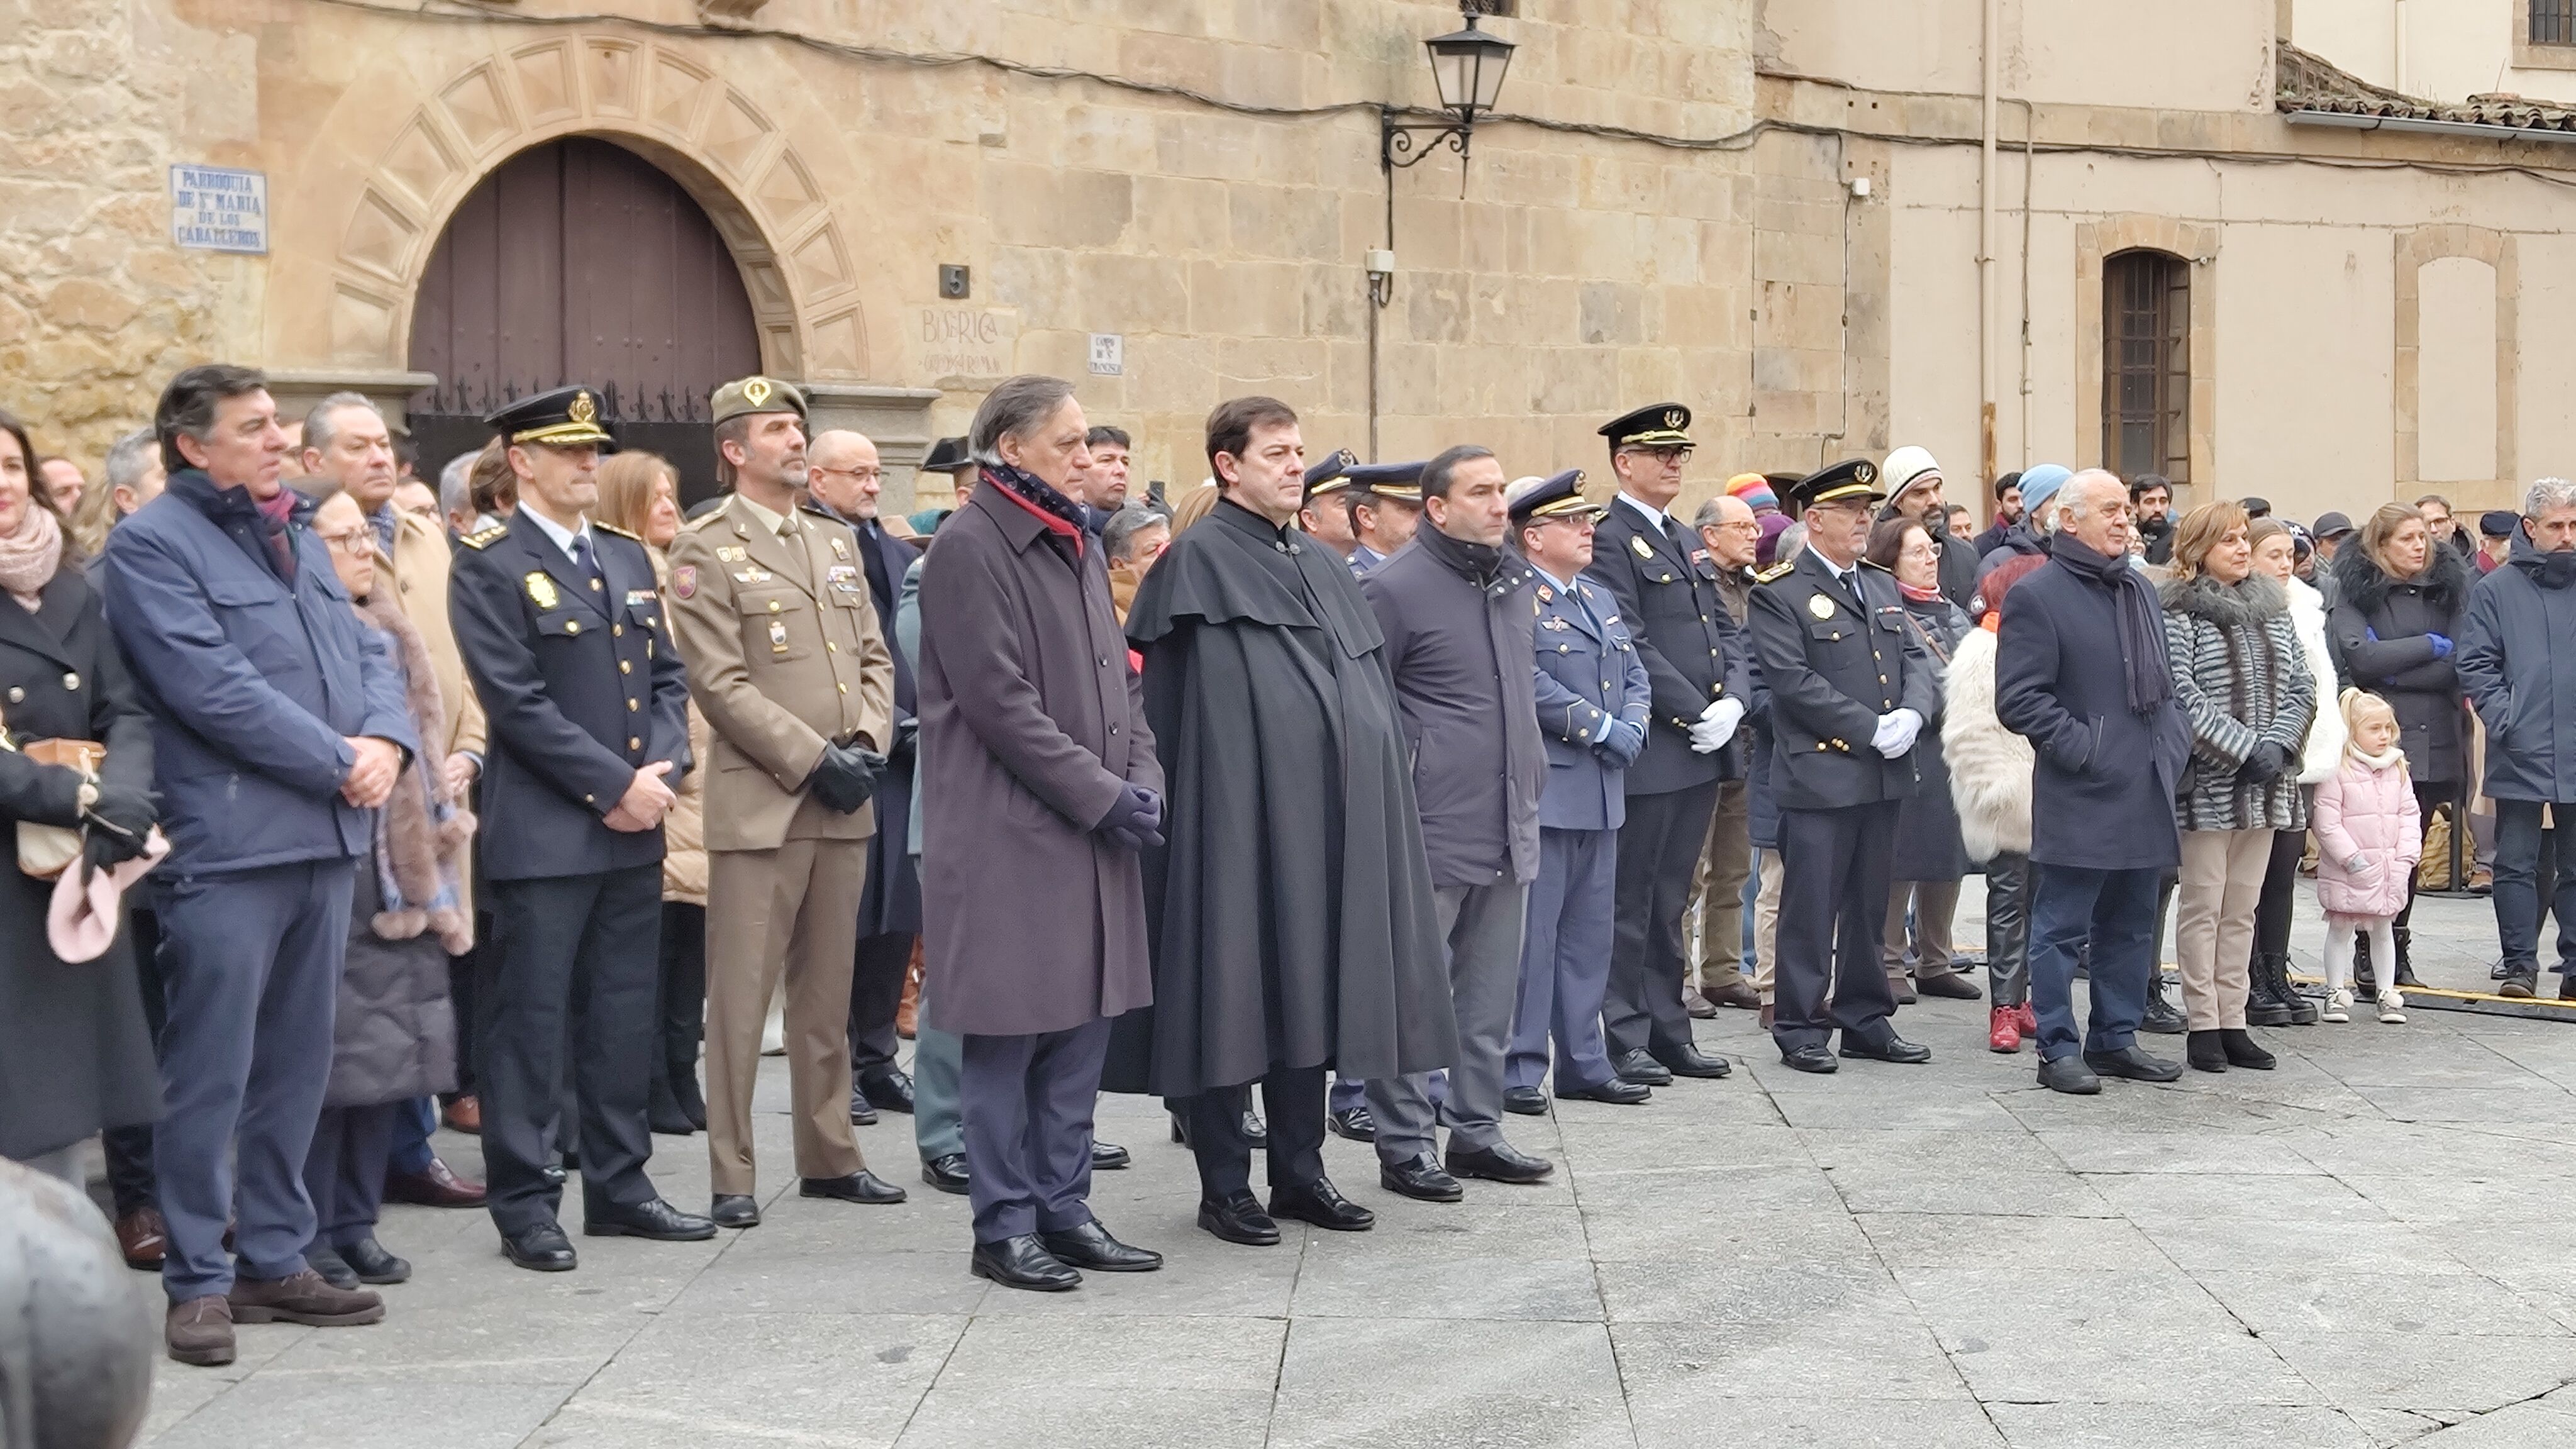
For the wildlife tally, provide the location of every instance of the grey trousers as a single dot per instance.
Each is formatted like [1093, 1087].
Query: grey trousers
[1481, 925]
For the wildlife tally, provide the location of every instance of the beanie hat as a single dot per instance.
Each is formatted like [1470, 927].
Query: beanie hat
[1767, 545]
[1756, 492]
[2040, 484]
[1908, 466]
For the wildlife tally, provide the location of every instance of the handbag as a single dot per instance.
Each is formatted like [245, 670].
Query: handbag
[46, 851]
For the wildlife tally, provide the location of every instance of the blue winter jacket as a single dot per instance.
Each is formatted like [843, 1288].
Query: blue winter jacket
[2517, 660]
[254, 685]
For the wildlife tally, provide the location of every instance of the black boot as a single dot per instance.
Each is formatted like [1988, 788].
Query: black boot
[2303, 1012]
[2405, 956]
[2161, 1017]
[2365, 986]
[2205, 1052]
[2240, 1050]
[2263, 993]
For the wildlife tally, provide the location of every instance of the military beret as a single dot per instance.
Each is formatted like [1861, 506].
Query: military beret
[756, 394]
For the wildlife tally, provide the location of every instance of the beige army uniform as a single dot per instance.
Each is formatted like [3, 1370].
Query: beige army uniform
[774, 619]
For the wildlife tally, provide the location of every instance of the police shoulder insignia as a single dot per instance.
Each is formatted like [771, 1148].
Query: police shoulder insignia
[613, 528]
[486, 537]
[1777, 571]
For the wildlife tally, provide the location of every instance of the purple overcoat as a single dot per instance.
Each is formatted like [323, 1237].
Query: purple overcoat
[1031, 721]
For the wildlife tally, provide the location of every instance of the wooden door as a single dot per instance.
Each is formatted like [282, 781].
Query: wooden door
[580, 261]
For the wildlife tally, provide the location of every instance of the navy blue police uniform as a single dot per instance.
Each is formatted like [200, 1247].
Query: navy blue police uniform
[1399, 483]
[1837, 657]
[572, 658]
[1664, 586]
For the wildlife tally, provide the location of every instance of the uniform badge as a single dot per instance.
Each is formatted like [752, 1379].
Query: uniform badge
[777, 636]
[730, 555]
[756, 391]
[844, 578]
[1555, 626]
[542, 589]
[1820, 606]
[1545, 593]
[639, 596]
[684, 581]
[1638, 542]
[840, 548]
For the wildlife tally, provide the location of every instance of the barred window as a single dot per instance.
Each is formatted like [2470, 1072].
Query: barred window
[2553, 22]
[2146, 365]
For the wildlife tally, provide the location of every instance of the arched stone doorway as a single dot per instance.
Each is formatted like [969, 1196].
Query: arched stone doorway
[578, 260]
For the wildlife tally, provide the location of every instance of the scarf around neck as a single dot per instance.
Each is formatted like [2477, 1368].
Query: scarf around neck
[2394, 757]
[1920, 596]
[1029, 488]
[29, 557]
[2141, 619]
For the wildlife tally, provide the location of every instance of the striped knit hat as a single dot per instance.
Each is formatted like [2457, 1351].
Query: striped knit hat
[1756, 492]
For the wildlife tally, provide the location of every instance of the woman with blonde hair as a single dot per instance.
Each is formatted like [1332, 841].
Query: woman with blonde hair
[2244, 686]
[2274, 1001]
[640, 493]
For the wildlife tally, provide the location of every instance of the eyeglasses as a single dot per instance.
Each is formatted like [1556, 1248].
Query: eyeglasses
[1744, 525]
[357, 543]
[852, 472]
[1670, 455]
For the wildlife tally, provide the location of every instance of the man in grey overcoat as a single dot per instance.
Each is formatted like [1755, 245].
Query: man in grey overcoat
[1034, 746]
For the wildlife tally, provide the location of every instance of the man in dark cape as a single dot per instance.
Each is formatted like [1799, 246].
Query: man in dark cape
[1290, 916]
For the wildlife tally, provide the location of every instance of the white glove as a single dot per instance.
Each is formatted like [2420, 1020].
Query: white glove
[1896, 732]
[1705, 739]
[1725, 714]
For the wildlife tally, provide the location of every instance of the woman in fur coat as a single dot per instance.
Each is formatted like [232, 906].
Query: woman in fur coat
[2273, 1001]
[394, 1032]
[2242, 683]
[1990, 770]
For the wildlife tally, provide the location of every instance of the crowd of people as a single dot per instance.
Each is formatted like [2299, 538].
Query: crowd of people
[1414, 793]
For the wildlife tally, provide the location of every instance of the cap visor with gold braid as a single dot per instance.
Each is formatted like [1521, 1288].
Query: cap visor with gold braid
[579, 424]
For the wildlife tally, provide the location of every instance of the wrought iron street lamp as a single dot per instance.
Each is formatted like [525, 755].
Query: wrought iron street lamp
[1467, 66]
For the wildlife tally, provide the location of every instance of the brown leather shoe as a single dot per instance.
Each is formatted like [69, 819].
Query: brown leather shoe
[304, 1298]
[465, 1115]
[200, 1331]
[143, 1237]
[435, 1186]
[1700, 1007]
[1738, 994]
[907, 1013]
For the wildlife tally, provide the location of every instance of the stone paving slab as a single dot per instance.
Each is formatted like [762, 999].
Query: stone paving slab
[2362, 1249]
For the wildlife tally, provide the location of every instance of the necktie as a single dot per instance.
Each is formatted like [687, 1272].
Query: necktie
[587, 566]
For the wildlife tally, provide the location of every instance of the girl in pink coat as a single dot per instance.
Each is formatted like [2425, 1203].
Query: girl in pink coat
[2368, 839]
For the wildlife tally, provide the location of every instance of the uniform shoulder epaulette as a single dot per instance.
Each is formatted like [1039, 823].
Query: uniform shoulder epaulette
[486, 537]
[818, 510]
[1774, 573]
[703, 520]
[613, 528]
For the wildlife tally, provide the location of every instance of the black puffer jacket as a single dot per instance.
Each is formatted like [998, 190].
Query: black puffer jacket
[2381, 628]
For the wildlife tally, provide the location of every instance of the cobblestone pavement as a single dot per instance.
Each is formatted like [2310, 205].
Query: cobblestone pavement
[2361, 1248]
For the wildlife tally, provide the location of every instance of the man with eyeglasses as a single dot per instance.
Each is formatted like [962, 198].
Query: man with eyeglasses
[1663, 585]
[1732, 533]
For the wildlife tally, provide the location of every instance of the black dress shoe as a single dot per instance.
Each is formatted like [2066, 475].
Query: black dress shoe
[1355, 1124]
[1815, 1057]
[1690, 1061]
[946, 1172]
[862, 1112]
[1618, 1092]
[335, 1270]
[1239, 1219]
[887, 1089]
[1256, 1134]
[1321, 1203]
[2068, 1074]
[1419, 1178]
[1501, 1162]
[373, 1264]
[665, 1119]
[1640, 1067]
[861, 1186]
[2134, 1064]
[1090, 1246]
[1948, 985]
[1525, 1101]
[1108, 1156]
[543, 1248]
[1023, 1262]
[1895, 1049]
[655, 1219]
[734, 1210]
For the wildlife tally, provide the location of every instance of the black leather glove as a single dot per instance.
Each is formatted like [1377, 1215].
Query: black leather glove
[2269, 759]
[104, 849]
[1136, 821]
[907, 740]
[845, 777]
[132, 810]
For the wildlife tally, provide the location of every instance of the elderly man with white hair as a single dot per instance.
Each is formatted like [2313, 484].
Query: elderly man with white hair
[2516, 668]
[2081, 673]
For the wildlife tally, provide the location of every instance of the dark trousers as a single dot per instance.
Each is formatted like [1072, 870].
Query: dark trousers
[2008, 928]
[410, 1152]
[576, 959]
[129, 1149]
[2274, 908]
[876, 989]
[344, 1170]
[680, 1001]
[461, 974]
[1834, 868]
[2115, 910]
[2518, 886]
[1026, 1102]
[1565, 959]
[1659, 850]
[251, 970]
[2431, 796]
[1292, 1099]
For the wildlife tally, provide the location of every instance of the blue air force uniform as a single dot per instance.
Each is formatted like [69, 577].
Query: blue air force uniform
[564, 637]
[1593, 701]
[1838, 658]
